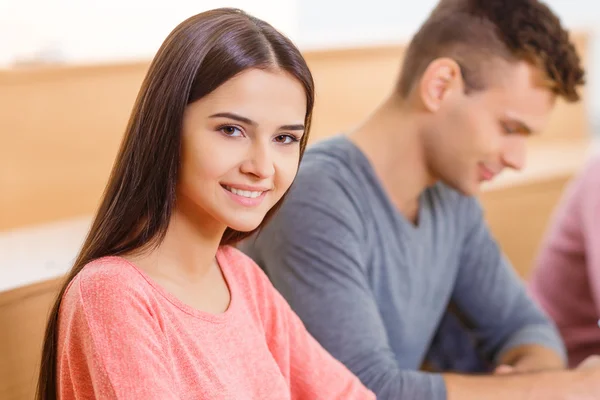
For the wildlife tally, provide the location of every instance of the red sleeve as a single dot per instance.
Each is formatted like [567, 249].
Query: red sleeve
[590, 219]
[569, 256]
[110, 344]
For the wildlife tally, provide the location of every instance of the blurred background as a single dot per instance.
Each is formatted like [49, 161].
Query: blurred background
[70, 71]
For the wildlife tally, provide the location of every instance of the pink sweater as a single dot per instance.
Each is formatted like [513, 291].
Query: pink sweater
[121, 336]
[566, 280]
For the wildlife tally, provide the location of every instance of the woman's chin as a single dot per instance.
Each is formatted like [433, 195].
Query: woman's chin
[244, 226]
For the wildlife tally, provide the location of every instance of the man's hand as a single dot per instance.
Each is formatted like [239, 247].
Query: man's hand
[504, 370]
[581, 383]
[588, 382]
[529, 358]
[590, 362]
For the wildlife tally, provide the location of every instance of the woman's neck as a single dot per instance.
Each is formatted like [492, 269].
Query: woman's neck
[187, 252]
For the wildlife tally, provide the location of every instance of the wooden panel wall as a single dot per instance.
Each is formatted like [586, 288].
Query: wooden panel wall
[23, 314]
[61, 127]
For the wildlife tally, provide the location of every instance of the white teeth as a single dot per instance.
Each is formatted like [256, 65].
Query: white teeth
[244, 193]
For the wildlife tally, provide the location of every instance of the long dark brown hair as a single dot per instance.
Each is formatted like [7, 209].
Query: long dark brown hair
[197, 57]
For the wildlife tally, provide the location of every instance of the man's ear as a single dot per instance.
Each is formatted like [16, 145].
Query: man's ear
[441, 79]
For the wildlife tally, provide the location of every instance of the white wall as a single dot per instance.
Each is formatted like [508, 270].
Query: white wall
[83, 31]
[343, 20]
[86, 30]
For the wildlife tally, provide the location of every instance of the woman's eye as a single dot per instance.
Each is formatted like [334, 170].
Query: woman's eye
[231, 131]
[285, 139]
[508, 129]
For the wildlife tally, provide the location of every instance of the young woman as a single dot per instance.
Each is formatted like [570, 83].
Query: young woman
[158, 305]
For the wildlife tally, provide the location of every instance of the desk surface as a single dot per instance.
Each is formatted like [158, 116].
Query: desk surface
[40, 253]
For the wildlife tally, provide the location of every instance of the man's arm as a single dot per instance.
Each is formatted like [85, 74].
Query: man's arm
[529, 358]
[511, 328]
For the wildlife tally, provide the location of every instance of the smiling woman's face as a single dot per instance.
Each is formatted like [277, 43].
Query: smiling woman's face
[241, 148]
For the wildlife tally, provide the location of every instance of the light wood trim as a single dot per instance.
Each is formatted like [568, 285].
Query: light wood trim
[38, 74]
[18, 295]
[60, 133]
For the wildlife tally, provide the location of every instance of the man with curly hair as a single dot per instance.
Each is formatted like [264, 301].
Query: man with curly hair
[382, 233]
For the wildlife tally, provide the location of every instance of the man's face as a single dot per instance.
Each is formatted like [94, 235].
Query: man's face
[474, 136]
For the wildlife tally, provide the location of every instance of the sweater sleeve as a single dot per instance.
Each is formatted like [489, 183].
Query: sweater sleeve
[569, 258]
[110, 344]
[487, 285]
[590, 215]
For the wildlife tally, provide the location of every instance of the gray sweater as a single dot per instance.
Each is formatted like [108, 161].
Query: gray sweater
[372, 287]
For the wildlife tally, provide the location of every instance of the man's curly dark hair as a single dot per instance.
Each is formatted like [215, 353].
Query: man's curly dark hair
[475, 32]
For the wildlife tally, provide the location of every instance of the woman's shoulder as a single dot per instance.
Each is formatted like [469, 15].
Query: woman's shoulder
[237, 261]
[105, 283]
[239, 265]
[245, 274]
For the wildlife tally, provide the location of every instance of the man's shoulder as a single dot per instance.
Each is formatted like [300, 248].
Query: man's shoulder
[330, 171]
[328, 195]
[329, 155]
